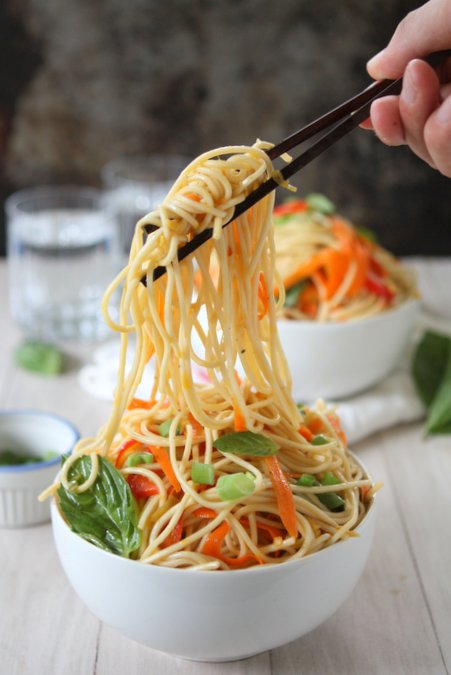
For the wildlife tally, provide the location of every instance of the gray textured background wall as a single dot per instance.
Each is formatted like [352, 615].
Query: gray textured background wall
[84, 81]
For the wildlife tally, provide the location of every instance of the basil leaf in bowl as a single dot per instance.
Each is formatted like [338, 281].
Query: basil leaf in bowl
[105, 514]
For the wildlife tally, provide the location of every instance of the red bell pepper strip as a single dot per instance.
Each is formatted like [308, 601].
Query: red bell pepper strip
[141, 486]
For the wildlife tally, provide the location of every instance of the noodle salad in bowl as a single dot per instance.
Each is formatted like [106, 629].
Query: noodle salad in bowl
[230, 476]
[332, 270]
[350, 306]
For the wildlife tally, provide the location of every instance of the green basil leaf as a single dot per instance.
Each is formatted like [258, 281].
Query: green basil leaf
[39, 357]
[429, 364]
[439, 412]
[105, 514]
[246, 443]
[292, 295]
[321, 203]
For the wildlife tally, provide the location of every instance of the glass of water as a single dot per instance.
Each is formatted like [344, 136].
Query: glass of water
[136, 185]
[62, 254]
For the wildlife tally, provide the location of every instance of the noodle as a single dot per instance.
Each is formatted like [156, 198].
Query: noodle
[330, 270]
[191, 524]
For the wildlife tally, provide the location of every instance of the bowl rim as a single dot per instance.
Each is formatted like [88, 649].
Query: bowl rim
[31, 412]
[256, 569]
[409, 303]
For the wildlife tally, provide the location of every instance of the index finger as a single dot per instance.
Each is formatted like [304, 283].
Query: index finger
[425, 30]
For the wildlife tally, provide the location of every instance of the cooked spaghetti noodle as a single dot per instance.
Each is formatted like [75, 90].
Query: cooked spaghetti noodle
[289, 486]
[331, 271]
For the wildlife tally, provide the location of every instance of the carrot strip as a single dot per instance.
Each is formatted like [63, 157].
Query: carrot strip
[272, 530]
[336, 425]
[239, 422]
[284, 495]
[308, 300]
[304, 270]
[315, 424]
[213, 544]
[263, 296]
[163, 460]
[140, 403]
[305, 432]
[294, 206]
[204, 512]
[198, 429]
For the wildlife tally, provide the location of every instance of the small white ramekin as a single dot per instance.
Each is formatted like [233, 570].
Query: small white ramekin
[33, 432]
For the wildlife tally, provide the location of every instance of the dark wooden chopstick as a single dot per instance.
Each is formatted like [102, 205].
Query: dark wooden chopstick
[346, 117]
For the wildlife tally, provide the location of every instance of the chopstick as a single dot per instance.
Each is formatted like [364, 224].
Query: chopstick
[345, 117]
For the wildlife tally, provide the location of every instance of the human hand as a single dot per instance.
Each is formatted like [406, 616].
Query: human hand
[420, 116]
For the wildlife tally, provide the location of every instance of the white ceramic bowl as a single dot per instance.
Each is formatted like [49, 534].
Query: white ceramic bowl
[335, 360]
[34, 433]
[213, 616]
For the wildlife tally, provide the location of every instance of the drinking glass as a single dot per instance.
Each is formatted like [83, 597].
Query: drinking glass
[136, 185]
[62, 254]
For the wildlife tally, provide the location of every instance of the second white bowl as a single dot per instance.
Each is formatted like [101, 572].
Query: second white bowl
[335, 360]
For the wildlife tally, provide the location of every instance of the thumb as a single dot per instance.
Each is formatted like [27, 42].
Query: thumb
[425, 30]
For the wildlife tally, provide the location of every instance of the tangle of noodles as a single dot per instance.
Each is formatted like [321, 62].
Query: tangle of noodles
[184, 523]
[331, 271]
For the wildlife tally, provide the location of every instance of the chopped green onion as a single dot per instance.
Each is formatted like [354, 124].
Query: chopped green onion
[234, 486]
[307, 480]
[319, 440]
[165, 427]
[318, 202]
[330, 479]
[137, 458]
[292, 295]
[39, 358]
[331, 500]
[203, 473]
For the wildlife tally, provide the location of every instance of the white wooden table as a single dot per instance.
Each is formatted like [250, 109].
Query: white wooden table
[398, 620]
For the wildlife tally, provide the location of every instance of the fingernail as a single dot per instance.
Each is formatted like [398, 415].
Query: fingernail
[409, 87]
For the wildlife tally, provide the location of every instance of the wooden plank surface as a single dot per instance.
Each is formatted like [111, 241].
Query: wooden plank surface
[396, 622]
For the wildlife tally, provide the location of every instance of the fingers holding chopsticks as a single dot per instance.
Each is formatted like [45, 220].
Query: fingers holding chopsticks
[420, 116]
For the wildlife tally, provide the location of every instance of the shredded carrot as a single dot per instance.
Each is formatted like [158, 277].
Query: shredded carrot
[239, 422]
[364, 491]
[336, 425]
[161, 307]
[272, 530]
[140, 403]
[204, 512]
[308, 300]
[198, 429]
[305, 432]
[162, 457]
[193, 196]
[314, 423]
[263, 296]
[213, 545]
[284, 495]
